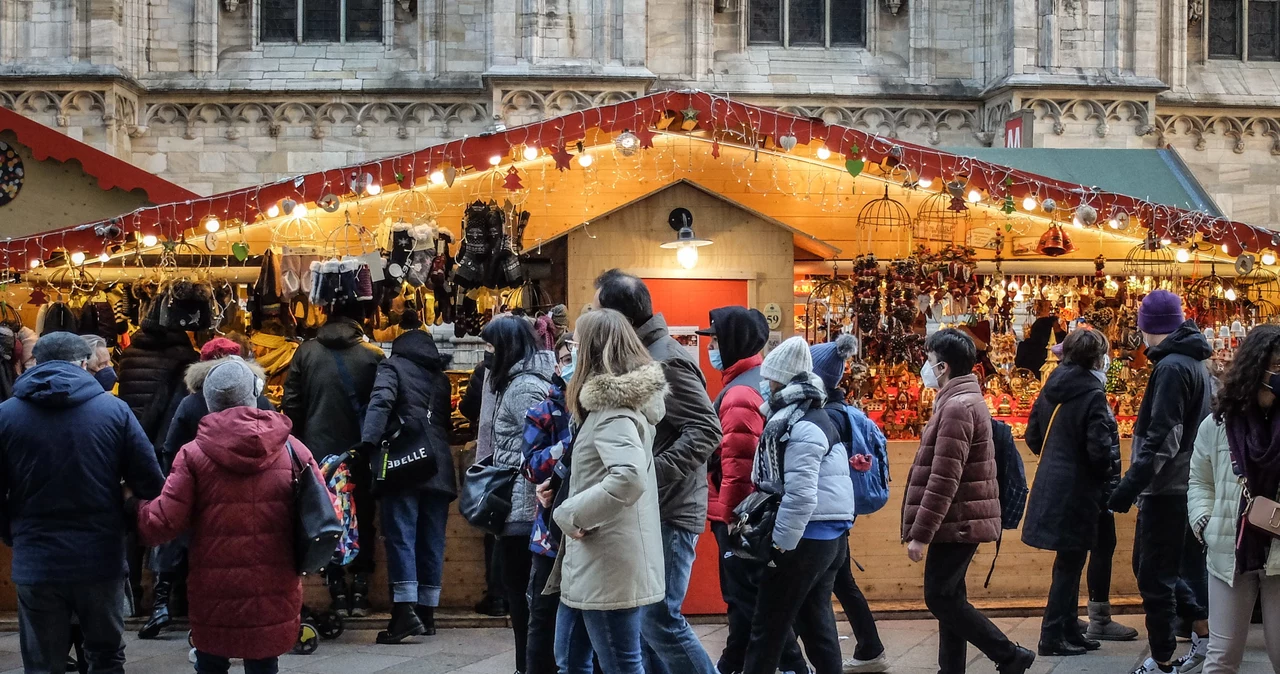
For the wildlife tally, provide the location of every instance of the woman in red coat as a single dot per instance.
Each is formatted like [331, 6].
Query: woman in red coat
[232, 488]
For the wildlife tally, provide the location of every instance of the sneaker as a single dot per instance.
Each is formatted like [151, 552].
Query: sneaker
[1193, 662]
[1149, 666]
[880, 663]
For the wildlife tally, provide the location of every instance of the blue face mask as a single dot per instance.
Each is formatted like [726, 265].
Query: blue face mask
[106, 377]
[566, 371]
[716, 361]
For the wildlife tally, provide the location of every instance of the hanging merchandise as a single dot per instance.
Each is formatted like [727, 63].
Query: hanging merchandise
[268, 295]
[476, 245]
[187, 306]
[438, 277]
[1055, 242]
[56, 317]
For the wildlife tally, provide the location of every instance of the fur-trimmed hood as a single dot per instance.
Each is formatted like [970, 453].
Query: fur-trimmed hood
[642, 389]
[196, 372]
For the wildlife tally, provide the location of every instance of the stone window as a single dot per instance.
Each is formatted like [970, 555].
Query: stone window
[1244, 30]
[321, 20]
[807, 23]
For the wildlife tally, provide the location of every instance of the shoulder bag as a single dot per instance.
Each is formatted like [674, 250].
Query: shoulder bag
[485, 498]
[1260, 512]
[403, 459]
[316, 527]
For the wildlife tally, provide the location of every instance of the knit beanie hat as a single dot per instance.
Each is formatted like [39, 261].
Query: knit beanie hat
[829, 359]
[787, 360]
[219, 347]
[1160, 313]
[230, 384]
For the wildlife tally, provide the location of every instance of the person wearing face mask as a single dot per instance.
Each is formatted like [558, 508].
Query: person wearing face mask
[1168, 562]
[100, 363]
[1072, 430]
[953, 504]
[1240, 441]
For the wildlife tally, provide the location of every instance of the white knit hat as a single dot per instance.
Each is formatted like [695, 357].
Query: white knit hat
[787, 360]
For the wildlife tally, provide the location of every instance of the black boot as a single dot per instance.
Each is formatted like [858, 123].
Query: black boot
[427, 614]
[404, 624]
[1075, 638]
[160, 612]
[338, 593]
[360, 595]
[1056, 645]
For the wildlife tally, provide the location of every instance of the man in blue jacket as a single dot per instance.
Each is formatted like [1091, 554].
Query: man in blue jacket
[65, 446]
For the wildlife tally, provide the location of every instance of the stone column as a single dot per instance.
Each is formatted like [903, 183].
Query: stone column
[204, 37]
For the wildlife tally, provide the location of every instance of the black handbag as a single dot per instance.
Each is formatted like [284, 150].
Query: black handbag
[485, 500]
[316, 527]
[403, 460]
[751, 531]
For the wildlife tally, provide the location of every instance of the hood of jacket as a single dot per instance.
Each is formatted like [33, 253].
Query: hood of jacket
[733, 371]
[196, 372]
[653, 329]
[641, 389]
[57, 383]
[342, 333]
[243, 439]
[541, 363]
[420, 348]
[740, 333]
[1186, 340]
[1070, 381]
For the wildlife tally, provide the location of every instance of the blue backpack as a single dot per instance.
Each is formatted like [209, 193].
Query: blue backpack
[870, 486]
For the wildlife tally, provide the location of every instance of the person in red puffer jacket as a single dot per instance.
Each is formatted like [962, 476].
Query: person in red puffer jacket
[232, 488]
[737, 336]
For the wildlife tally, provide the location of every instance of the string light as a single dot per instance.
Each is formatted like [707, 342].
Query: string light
[437, 177]
[211, 224]
[300, 211]
[530, 153]
[1183, 255]
[1268, 258]
[823, 153]
[104, 257]
[1230, 294]
[925, 182]
[373, 189]
[1029, 203]
[585, 159]
[495, 160]
[149, 240]
[35, 263]
[273, 211]
[1225, 250]
[975, 196]
[77, 258]
[1166, 241]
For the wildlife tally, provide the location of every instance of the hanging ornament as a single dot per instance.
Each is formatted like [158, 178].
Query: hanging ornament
[329, 203]
[37, 298]
[626, 143]
[855, 164]
[787, 142]
[665, 122]
[240, 250]
[513, 180]
[1086, 215]
[715, 149]
[1245, 263]
[287, 205]
[690, 115]
[562, 158]
[645, 134]
[449, 174]
[1055, 242]
[1049, 205]
[1008, 207]
[955, 188]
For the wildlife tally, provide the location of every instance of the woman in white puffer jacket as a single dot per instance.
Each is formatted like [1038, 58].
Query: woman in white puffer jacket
[1242, 435]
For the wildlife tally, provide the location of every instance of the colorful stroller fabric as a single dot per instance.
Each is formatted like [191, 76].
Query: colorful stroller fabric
[548, 435]
[339, 476]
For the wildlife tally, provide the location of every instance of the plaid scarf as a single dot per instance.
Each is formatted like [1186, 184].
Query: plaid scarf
[783, 409]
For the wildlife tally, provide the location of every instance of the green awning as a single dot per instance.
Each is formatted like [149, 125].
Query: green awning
[1158, 176]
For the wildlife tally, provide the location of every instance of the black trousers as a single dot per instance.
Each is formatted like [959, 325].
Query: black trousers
[858, 612]
[492, 568]
[795, 593]
[959, 623]
[540, 652]
[1100, 557]
[739, 586]
[517, 566]
[1063, 606]
[1162, 547]
[44, 625]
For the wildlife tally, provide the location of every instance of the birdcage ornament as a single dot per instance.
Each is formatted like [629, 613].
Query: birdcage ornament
[1150, 259]
[936, 222]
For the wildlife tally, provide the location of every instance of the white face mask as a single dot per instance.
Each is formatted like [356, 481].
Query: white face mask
[929, 376]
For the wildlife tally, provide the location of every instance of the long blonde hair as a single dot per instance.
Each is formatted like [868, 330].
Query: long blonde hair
[607, 345]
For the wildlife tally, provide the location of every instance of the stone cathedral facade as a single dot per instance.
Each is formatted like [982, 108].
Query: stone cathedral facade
[219, 94]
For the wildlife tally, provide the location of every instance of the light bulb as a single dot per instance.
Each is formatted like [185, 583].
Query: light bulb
[373, 189]
[1029, 204]
[273, 211]
[300, 211]
[585, 159]
[1013, 286]
[77, 258]
[437, 177]
[149, 240]
[35, 263]
[1224, 248]
[1183, 255]
[1268, 258]
[1113, 223]
[975, 196]
[687, 256]
[1019, 297]
[1165, 241]
[925, 183]
[211, 224]
[495, 160]
[1230, 294]
[104, 257]
[530, 153]
[823, 153]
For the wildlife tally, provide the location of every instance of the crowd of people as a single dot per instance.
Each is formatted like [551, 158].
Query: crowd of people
[622, 458]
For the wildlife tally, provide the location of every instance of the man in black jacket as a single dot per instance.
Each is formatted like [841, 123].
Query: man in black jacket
[685, 439]
[1167, 561]
[63, 510]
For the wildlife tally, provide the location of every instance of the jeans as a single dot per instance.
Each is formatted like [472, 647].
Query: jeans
[517, 565]
[1104, 548]
[739, 586]
[959, 623]
[613, 636]
[44, 625]
[1061, 610]
[540, 655]
[670, 644]
[795, 593]
[1162, 540]
[216, 664]
[413, 523]
[1230, 608]
[854, 603]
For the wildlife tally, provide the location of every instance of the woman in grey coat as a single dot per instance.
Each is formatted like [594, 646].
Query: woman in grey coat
[519, 378]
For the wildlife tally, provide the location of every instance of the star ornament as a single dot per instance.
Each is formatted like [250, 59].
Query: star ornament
[645, 134]
[562, 157]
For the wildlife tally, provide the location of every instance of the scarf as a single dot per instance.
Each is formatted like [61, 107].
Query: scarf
[1254, 441]
[783, 409]
[277, 354]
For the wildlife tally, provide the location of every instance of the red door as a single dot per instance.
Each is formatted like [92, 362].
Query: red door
[686, 303]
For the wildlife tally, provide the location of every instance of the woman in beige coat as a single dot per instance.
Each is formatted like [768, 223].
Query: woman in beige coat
[610, 562]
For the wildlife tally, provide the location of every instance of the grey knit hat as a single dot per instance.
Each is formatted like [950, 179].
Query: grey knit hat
[230, 384]
[787, 360]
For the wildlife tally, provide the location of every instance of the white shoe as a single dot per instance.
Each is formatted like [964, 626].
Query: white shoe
[1150, 667]
[880, 663]
[1193, 662]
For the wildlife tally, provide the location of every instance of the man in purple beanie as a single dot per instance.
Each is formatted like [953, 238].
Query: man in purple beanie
[1164, 550]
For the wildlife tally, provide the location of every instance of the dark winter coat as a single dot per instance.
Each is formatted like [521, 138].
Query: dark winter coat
[65, 445]
[687, 434]
[232, 489]
[317, 399]
[186, 420]
[952, 493]
[151, 372]
[1079, 456]
[729, 472]
[469, 406]
[1177, 400]
[411, 395]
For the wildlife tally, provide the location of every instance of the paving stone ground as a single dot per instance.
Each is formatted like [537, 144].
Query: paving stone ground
[911, 645]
